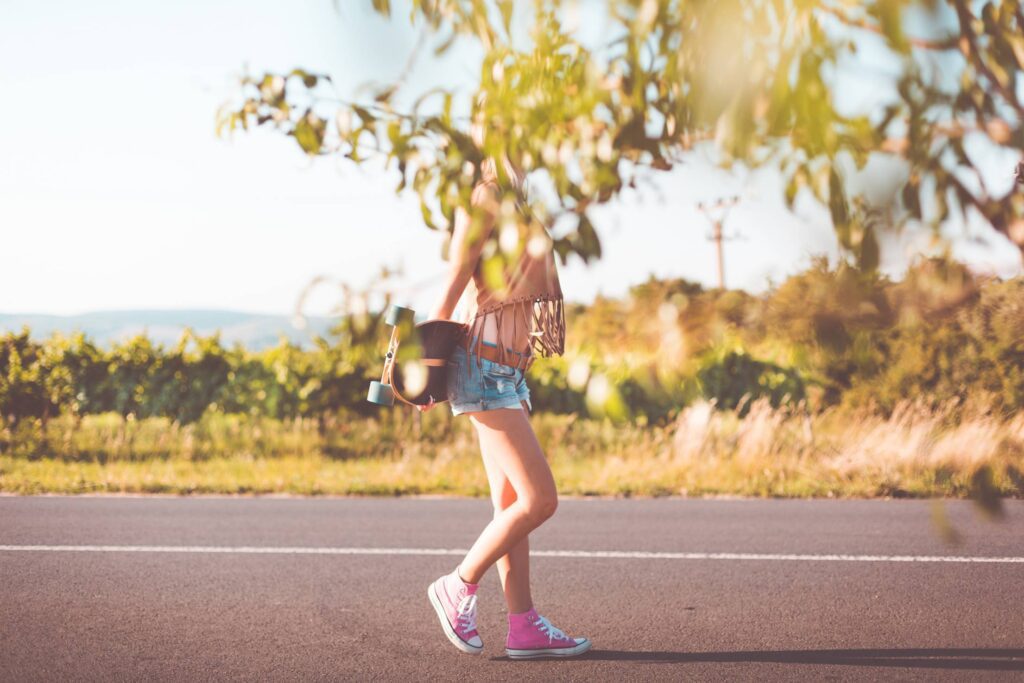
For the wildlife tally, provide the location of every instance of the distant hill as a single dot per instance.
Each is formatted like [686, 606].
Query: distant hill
[252, 330]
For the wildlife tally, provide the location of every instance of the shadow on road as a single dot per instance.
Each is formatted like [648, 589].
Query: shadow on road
[981, 659]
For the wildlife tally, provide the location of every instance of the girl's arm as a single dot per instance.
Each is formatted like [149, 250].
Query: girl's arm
[465, 248]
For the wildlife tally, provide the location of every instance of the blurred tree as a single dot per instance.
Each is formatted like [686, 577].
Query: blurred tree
[757, 79]
[188, 378]
[970, 349]
[89, 368]
[250, 388]
[23, 391]
[54, 372]
[132, 365]
[296, 380]
[832, 319]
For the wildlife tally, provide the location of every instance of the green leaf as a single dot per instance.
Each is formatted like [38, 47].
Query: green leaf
[427, 218]
[912, 200]
[363, 114]
[985, 493]
[792, 187]
[446, 44]
[308, 79]
[837, 204]
[869, 253]
[889, 15]
[585, 241]
[505, 7]
[309, 134]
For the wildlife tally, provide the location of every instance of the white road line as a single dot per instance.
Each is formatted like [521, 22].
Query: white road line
[598, 554]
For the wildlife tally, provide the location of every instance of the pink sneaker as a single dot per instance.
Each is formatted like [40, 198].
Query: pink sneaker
[454, 600]
[531, 635]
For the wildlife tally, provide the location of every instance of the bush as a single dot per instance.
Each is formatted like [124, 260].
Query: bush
[734, 379]
[834, 337]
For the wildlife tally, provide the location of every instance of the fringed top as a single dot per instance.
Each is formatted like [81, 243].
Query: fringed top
[533, 326]
[527, 317]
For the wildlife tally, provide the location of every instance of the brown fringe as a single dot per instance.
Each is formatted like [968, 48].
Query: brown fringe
[543, 317]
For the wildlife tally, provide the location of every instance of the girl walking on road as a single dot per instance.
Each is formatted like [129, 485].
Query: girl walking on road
[505, 332]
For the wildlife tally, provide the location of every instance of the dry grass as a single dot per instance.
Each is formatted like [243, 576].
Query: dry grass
[915, 452]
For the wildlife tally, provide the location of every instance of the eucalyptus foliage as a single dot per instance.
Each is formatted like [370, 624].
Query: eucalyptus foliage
[754, 79]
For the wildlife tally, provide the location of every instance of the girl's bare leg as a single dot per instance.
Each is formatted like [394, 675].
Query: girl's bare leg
[514, 566]
[511, 446]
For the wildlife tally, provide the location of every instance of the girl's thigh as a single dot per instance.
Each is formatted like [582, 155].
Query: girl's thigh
[502, 493]
[511, 451]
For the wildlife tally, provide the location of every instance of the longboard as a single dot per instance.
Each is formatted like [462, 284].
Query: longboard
[418, 372]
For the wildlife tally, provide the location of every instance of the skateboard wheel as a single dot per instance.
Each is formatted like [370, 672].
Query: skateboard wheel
[399, 314]
[381, 394]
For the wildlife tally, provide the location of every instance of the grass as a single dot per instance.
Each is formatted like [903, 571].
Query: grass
[774, 453]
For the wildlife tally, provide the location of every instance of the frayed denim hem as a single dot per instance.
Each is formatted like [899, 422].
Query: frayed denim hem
[491, 405]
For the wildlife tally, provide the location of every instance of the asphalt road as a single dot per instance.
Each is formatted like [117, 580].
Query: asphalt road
[701, 589]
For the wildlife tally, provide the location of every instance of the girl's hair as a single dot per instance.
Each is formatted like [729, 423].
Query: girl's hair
[489, 167]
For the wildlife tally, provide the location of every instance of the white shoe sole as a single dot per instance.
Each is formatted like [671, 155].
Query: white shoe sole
[448, 630]
[552, 652]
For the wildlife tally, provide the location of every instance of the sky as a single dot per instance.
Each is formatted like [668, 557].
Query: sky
[116, 194]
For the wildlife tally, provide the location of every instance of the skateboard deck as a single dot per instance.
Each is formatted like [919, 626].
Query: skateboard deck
[416, 362]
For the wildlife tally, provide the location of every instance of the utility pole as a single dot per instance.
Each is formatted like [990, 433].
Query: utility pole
[716, 214]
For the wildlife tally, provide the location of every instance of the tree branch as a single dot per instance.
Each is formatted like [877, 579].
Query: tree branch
[943, 44]
[971, 52]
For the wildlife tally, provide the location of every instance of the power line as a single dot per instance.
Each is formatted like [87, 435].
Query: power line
[716, 213]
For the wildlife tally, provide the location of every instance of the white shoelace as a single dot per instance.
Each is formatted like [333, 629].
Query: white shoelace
[547, 629]
[467, 613]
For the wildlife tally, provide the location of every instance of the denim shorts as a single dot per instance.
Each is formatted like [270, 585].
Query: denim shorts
[488, 387]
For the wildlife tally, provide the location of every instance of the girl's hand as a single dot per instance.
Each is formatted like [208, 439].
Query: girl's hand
[427, 407]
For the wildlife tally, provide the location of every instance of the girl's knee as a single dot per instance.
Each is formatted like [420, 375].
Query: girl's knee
[541, 508]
